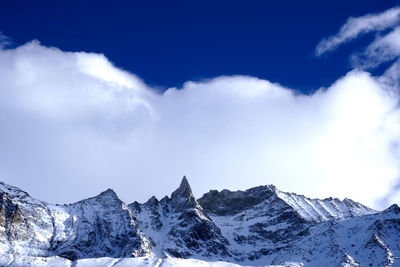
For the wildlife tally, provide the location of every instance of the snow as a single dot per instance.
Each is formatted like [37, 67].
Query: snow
[318, 210]
[22, 261]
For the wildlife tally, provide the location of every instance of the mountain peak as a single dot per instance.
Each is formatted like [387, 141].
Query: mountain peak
[393, 208]
[184, 183]
[184, 189]
[182, 198]
[109, 194]
[12, 190]
[109, 191]
[153, 201]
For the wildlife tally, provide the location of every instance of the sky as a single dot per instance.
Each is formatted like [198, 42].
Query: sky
[231, 94]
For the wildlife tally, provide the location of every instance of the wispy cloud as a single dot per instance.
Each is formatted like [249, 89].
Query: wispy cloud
[355, 27]
[384, 49]
[4, 41]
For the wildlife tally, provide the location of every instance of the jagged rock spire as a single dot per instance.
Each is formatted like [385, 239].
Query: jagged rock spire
[184, 190]
[182, 197]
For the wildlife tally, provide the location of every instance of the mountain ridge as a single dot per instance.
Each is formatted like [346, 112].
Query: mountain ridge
[261, 225]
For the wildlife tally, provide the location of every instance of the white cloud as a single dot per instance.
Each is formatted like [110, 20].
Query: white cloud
[74, 124]
[384, 49]
[355, 27]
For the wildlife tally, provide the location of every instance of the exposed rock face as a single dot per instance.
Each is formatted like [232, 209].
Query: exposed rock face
[179, 226]
[258, 226]
[254, 219]
[26, 225]
[229, 203]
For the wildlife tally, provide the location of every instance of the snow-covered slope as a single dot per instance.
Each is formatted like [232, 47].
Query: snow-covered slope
[24, 261]
[319, 210]
[371, 240]
[314, 210]
[257, 227]
[96, 227]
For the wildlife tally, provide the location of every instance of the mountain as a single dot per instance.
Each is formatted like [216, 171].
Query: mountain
[258, 226]
[95, 227]
[269, 226]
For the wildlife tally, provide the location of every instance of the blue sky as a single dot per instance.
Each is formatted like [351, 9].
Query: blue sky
[97, 95]
[169, 42]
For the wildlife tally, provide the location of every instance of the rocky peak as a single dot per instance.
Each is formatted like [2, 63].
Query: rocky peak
[135, 206]
[184, 190]
[107, 199]
[153, 201]
[109, 192]
[182, 197]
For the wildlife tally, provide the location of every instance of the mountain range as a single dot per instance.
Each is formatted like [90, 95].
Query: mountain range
[256, 227]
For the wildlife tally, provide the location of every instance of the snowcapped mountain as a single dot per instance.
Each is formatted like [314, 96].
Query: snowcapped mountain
[95, 227]
[258, 226]
[265, 225]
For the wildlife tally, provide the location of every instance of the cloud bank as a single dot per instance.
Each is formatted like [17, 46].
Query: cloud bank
[73, 124]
